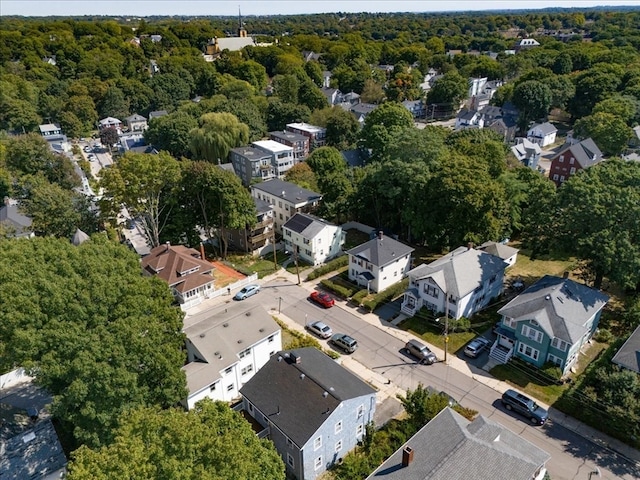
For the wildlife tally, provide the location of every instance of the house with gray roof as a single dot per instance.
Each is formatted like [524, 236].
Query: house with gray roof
[225, 348]
[629, 354]
[543, 134]
[311, 408]
[459, 283]
[526, 152]
[312, 239]
[549, 322]
[501, 250]
[468, 119]
[136, 123]
[286, 198]
[379, 263]
[13, 222]
[157, 114]
[573, 156]
[299, 143]
[452, 447]
[360, 110]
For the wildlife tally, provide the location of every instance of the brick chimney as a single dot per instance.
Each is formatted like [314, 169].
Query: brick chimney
[202, 257]
[407, 456]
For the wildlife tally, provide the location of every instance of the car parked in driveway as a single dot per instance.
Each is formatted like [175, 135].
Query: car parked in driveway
[246, 292]
[476, 346]
[344, 342]
[421, 352]
[323, 299]
[320, 329]
[522, 404]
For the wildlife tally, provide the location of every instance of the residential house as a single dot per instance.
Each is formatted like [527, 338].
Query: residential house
[452, 447]
[549, 322]
[299, 143]
[526, 44]
[136, 123]
[156, 38]
[313, 239]
[467, 278]
[313, 409]
[361, 110]
[500, 250]
[251, 164]
[416, 107]
[354, 158]
[469, 119]
[12, 222]
[286, 198]
[379, 263]
[258, 238]
[333, 95]
[628, 356]
[110, 122]
[351, 98]
[543, 134]
[317, 135]
[157, 114]
[185, 269]
[225, 349]
[505, 126]
[326, 79]
[481, 91]
[281, 156]
[310, 56]
[573, 157]
[526, 152]
[50, 131]
[153, 67]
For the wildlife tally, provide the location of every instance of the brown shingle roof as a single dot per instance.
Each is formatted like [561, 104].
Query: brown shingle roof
[170, 263]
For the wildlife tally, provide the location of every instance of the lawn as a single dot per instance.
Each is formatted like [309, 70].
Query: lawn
[532, 270]
[263, 266]
[433, 334]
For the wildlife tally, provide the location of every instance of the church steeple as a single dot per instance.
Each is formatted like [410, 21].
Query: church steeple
[241, 31]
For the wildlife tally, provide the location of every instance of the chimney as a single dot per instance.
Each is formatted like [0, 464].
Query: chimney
[469, 246]
[166, 246]
[202, 257]
[407, 456]
[380, 235]
[296, 358]
[565, 275]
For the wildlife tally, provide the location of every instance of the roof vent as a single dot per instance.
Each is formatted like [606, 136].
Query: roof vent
[548, 297]
[225, 325]
[240, 341]
[29, 437]
[284, 193]
[202, 335]
[248, 314]
[261, 330]
[302, 375]
[279, 358]
[217, 354]
[325, 394]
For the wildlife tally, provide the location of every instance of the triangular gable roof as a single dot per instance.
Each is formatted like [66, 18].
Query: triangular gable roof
[559, 305]
[381, 251]
[586, 152]
[79, 237]
[169, 262]
[461, 271]
[499, 250]
[629, 354]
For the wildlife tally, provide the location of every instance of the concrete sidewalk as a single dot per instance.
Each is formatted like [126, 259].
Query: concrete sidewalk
[387, 389]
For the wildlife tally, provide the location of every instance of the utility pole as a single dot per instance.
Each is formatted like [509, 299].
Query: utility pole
[446, 325]
[275, 256]
[295, 259]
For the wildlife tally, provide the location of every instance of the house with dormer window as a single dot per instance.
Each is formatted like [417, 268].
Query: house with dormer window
[467, 279]
[549, 322]
[312, 239]
[186, 271]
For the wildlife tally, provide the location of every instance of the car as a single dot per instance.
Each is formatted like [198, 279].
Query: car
[323, 299]
[87, 149]
[320, 329]
[344, 342]
[476, 346]
[246, 292]
[420, 351]
[514, 401]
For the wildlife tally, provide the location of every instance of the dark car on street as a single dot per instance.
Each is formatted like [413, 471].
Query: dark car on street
[523, 405]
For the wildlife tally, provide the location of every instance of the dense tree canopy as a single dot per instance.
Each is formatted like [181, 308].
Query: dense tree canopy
[216, 135]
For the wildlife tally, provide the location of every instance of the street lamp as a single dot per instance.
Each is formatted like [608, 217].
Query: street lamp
[595, 472]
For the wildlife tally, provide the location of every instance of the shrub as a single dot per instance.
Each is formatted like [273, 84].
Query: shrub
[359, 296]
[552, 370]
[386, 295]
[329, 267]
[340, 290]
[603, 336]
[463, 324]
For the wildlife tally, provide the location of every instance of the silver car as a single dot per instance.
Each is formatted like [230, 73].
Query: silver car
[246, 292]
[476, 347]
[320, 329]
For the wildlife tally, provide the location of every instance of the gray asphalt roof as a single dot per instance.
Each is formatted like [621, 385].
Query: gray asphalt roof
[629, 354]
[290, 191]
[306, 225]
[451, 447]
[545, 128]
[560, 305]
[261, 205]
[251, 152]
[585, 152]
[381, 252]
[289, 136]
[461, 271]
[220, 335]
[299, 397]
[498, 249]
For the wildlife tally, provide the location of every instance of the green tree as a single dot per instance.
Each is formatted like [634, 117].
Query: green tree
[382, 124]
[216, 135]
[286, 87]
[450, 89]
[114, 104]
[302, 175]
[171, 133]
[624, 106]
[533, 100]
[422, 404]
[342, 129]
[563, 64]
[372, 92]
[609, 131]
[209, 442]
[71, 125]
[97, 335]
[598, 221]
[142, 182]
[109, 136]
[592, 87]
[280, 113]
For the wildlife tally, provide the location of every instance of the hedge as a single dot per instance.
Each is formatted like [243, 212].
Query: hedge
[386, 295]
[359, 296]
[329, 267]
[340, 290]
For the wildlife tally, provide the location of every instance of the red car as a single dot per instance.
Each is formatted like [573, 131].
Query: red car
[323, 299]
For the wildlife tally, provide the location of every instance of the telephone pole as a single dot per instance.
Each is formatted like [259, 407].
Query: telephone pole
[446, 325]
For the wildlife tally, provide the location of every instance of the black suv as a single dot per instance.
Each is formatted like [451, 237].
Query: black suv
[517, 402]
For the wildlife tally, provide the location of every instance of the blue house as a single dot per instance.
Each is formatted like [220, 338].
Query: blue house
[549, 322]
[311, 408]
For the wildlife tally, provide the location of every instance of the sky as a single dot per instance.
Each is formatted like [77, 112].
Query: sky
[274, 7]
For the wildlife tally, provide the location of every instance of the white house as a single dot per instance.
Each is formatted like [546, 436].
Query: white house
[315, 240]
[286, 198]
[282, 158]
[505, 252]
[543, 134]
[110, 122]
[469, 119]
[225, 348]
[379, 263]
[467, 277]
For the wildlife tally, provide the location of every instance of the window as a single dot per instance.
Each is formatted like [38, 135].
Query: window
[555, 360]
[317, 443]
[317, 463]
[213, 386]
[280, 205]
[289, 443]
[573, 170]
[230, 387]
[532, 333]
[555, 176]
[528, 351]
[360, 411]
[246, 370]
[559, 344]
[227, 371]
[571, 160]
[338, 427]
[270, 339]
[561, 159]
[245, 353]
[338, 446]
[280, 216]
[562, 178]
[510, 322]
[359, 430]
[290, 460]
[431, 290]
[287, 233]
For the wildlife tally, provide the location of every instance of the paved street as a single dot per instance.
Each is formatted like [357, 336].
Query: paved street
[380, 361]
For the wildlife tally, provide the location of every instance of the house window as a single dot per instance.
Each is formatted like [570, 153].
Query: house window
[559, 344]
[353, 260]
[359, 430]
[213, 386]
[270, 339]
[317, 463]
[227, 371]
[360, 411]
[555, 176]
[247, 369]
[230, 387]
[532, 333]
[561, 159]
[528, 351]
[338, 428]
[573, 170]
[280, 205]
[245, 353]
[317, 443]
[290, 460]
[338, 446]
[510, 322]
[562, 178]
[280, 216]
[251, 408]
[571, 160]
[289, 443]
[287, 233]
[555, 360]
[431, 291]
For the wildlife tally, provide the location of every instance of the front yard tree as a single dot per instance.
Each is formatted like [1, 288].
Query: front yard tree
[598, 220]
[422, 405]
[217, 134]
[533, 99]
[142, 183]
[109, 137]
[95, 333]
[383, 124]
[209, 442]
[450, 89]
[608, 131]
[171, 133]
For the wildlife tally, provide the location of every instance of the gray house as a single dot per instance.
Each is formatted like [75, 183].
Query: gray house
[312, 409]
[14, 223]
[451, 447]
[629, 354]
